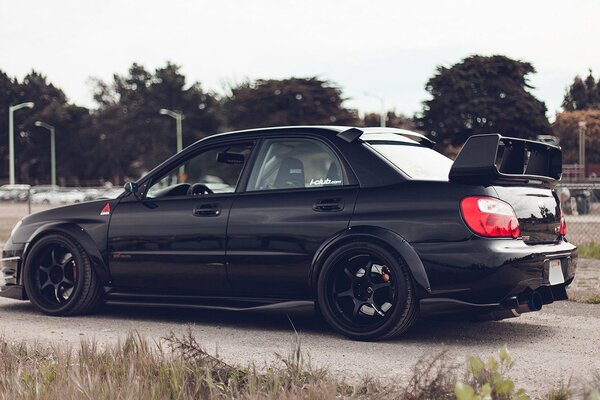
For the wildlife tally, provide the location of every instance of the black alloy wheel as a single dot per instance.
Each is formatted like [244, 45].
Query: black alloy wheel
[365, 292]
[59, 278]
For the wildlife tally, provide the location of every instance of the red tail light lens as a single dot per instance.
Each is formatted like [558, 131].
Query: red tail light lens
[563, 224]
[490, 217]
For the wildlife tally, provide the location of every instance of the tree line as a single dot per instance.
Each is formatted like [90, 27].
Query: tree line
[124, 135]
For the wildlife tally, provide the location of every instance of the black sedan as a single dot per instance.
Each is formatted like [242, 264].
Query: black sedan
[371, 225]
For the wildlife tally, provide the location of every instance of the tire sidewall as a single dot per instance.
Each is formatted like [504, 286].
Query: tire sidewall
[30, 270]
[404, 295]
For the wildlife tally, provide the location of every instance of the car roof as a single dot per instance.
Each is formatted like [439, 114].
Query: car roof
[368, 133]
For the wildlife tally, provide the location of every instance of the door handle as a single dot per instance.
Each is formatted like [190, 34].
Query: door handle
[327, 205]
[207, 210]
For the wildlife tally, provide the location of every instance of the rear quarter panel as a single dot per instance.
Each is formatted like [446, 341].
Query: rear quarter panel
[419, 211]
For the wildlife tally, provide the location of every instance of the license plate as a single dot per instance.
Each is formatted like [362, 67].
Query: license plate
[555, 275]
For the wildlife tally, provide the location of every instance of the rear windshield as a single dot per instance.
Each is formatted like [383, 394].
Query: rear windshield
[417, 162]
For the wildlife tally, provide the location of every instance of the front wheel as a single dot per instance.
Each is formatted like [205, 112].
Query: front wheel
[59, 278]
[366, 292]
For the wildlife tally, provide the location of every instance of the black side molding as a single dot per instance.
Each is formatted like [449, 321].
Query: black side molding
[490, 158]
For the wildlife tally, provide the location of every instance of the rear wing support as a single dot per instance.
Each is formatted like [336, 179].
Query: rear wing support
[490, 158]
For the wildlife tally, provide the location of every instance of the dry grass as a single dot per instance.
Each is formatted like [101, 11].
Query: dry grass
[179, 368]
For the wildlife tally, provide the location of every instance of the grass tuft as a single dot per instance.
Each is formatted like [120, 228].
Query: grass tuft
[589, 250]
[594, 299]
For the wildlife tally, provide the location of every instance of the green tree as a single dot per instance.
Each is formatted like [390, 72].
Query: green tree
[293, 101]
[132, 136]
[32, 144]
[393, 120]
[8, 96]
[482, 95]
[582, 94]
[566, 128]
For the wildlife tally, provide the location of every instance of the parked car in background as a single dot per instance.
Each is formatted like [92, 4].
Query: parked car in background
[59, 196]
[14, 192]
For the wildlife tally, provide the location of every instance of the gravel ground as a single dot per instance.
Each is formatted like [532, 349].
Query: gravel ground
[550, 347]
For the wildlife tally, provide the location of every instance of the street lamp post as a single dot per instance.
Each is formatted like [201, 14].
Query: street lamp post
[52, 149]
[582, 147]
[11, 138]
[383, 115]
[178, 118]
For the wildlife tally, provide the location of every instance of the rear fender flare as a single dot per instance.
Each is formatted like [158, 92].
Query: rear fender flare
[77, 233]
[383, 236]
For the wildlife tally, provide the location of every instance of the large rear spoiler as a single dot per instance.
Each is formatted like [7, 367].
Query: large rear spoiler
[489, 158]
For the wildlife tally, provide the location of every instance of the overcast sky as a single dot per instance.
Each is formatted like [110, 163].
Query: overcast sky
[386, 48]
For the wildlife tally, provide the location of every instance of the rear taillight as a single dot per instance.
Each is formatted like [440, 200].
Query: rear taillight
[490, 217]
[563, 224]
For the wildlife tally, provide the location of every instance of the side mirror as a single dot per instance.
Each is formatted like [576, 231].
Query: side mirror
[131, 187]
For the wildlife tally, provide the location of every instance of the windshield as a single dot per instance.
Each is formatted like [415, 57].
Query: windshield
[417, 162]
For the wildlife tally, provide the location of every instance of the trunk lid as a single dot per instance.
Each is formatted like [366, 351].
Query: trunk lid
[537, 209]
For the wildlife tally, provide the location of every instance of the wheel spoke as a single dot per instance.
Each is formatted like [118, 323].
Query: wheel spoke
[357, 306]
[378, 286]
[67, 281]
[53, 257]
[47, 283]
[46, 270]
[65, 260]
[58, 298]
[346, 293]
[368, 269]
[349, 274]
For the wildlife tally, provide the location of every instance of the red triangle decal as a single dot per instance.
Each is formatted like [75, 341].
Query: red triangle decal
[105, 210]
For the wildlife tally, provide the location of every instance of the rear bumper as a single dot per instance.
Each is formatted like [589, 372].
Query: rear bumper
[10, 271]
[488, 272]
[511, 307]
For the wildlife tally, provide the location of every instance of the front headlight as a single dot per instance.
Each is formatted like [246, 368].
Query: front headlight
[15, 228]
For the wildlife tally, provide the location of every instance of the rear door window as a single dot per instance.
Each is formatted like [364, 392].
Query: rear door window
[295, 163]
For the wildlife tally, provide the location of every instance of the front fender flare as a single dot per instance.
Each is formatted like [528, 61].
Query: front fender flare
[376, 234]
[79, 234]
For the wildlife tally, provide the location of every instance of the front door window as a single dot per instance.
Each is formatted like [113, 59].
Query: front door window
[216, 170]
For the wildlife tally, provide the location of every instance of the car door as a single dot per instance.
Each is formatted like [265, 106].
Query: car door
[297, 196]
[173, 239]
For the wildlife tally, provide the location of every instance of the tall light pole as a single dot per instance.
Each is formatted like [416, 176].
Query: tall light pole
[11, 138]
[582, 147]
[178, 118]
[383, 115]
[52, 149]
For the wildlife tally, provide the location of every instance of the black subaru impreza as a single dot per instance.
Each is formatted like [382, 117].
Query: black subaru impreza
[371, 225]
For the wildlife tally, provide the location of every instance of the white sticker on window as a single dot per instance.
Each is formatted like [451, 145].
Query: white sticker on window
[322, 182]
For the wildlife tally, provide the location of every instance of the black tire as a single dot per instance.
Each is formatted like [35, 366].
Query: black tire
[59, 278]
[366, 292]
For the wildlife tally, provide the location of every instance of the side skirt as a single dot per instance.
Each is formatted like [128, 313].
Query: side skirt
[209, 303]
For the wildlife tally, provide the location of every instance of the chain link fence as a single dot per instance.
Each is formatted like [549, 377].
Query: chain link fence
[581, 205]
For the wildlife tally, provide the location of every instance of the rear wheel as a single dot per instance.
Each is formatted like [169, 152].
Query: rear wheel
[59, 278]
[366, 292]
